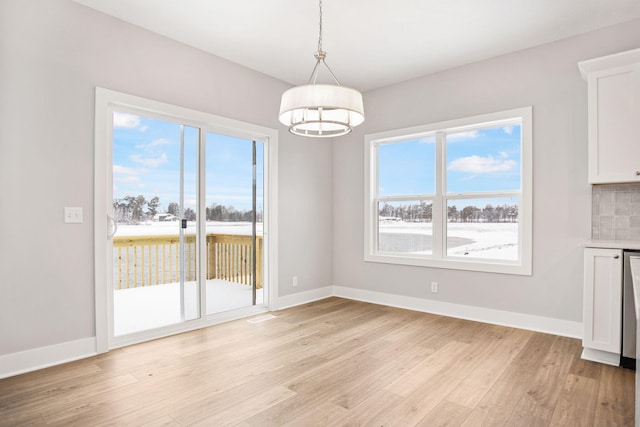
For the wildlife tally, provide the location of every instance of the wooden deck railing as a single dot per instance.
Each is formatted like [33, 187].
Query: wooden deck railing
[153, 260]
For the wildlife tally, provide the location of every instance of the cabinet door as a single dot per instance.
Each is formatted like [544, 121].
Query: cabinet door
[614, 125]
[602, 315]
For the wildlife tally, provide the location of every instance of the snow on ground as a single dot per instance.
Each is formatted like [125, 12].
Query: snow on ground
[148, 307]
[143, 308]
[473, 239]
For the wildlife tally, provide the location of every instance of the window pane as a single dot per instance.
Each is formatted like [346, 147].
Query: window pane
[407, 167]
[229, 201]
[483, 228]
[405, 227]
[484, 159]
[148, 265]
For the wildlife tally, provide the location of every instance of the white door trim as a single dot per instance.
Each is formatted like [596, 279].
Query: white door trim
[106, 101]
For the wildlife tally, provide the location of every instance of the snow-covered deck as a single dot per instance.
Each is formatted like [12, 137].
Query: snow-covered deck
[143, 308]
[146, 307]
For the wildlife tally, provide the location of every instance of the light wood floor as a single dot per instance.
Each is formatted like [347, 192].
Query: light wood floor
[334, 362]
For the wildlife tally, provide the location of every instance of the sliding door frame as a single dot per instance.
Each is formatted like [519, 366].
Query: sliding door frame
[108, 101]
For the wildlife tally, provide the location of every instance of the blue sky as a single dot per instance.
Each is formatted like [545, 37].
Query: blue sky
[479, 160]
[146, 160]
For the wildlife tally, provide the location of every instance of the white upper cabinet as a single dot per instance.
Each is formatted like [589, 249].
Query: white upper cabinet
[614, 117]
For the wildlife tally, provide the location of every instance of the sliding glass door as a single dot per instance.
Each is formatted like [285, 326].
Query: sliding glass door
[183, 196]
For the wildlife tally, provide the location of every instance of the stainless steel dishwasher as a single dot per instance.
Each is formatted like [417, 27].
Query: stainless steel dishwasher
[635, 278]
[628, 358]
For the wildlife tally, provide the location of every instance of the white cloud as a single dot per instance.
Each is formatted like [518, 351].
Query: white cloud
[123, 170]
[477, 164]
[127, 178]
[155, 143]
[463, 135]
[508, 129]
[125, 120]
[125, 175]
[427, 140]
[150, 162]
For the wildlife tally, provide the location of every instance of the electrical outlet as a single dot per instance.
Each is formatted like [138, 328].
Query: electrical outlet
[295, 281]
[434, 287]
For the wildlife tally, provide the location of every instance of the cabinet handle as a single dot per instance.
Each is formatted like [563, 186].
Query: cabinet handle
[616, 256]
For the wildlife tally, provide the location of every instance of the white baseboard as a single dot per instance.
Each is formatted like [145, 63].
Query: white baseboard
[548, 325]
[44, 357]
[601, 356]
[302, 298]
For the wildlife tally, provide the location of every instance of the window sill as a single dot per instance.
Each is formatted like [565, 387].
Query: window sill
[485, 266]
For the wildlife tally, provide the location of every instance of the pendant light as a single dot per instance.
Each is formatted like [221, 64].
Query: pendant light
[321, 110]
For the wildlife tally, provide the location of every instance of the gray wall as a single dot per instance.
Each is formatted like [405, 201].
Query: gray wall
[545, 77]
[52, 55]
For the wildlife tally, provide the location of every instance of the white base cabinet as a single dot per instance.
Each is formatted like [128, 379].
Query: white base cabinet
[602, 309]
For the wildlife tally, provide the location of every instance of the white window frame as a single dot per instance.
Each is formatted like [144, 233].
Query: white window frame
[439, 259]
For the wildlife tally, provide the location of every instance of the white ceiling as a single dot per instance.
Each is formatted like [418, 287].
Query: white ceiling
[370, 43]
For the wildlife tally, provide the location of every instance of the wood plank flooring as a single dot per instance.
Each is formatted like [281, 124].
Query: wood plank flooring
[334, 362]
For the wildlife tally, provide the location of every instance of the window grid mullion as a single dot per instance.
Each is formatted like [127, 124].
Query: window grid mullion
[484, 195]
[405, 198]
[440, 219]
[375, 214]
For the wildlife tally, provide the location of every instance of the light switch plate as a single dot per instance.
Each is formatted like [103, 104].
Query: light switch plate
[73, 215]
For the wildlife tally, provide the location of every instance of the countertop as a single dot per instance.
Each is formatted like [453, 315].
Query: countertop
[612, 244]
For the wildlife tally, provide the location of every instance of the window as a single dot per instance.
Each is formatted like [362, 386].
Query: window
[455, 194]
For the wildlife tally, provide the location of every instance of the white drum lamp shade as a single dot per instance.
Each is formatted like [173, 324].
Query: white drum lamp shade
[321, 110]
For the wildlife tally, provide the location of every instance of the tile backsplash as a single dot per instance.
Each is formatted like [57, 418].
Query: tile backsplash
[615, 212]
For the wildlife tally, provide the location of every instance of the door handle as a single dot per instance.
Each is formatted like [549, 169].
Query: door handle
[114, 227]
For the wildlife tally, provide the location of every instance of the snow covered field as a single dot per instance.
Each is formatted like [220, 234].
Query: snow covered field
[473, 239]
[172, 227]
[481, 240]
